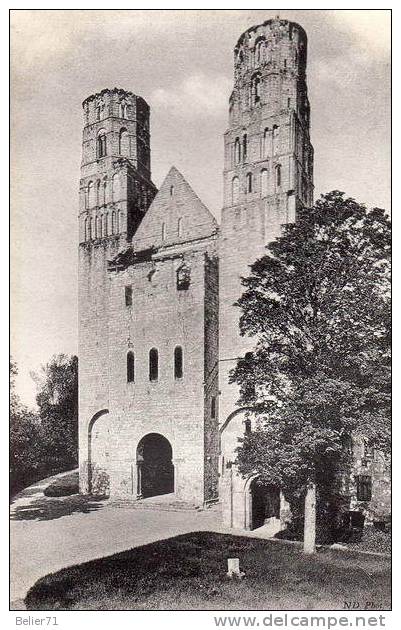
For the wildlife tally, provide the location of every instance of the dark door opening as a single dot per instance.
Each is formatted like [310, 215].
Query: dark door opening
[265, 503]
[155, 469]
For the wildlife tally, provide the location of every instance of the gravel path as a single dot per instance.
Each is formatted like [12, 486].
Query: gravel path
[48, 534]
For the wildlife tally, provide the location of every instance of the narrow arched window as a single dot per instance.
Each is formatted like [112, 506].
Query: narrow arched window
[101, 145]
[178, 362]
[235, 190]
[266, 142]
[119, 221]
[275, 133]
[124, 143]
[263, 183]
[106, 224]
[97, 113]
[260, 49]
[123, 110]
[244, 146]
[255, 89]
[179, 227]
[153, 365]
[86, 229]
[164, 231]
[237, 151]
[90, 228]
[249, 182]
[171, 191]
[278, 175]
[130, 367]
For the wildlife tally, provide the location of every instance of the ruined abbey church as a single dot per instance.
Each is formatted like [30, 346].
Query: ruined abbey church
[158, 277]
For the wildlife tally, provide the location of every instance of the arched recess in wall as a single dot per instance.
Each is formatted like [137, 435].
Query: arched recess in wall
[255, 88]
[124, 143]
[96, 480]
[91, 195]
[260, 51]
[231, 416]
[263, 182]
[116, 190]
[233, 428]
[106, 188]
[99, 227]
[98, 192]
[278, 175]
[179, 226]
[237, 151]
[234, 190]
[267, 143]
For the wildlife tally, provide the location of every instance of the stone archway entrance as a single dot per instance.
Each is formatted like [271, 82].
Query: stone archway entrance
[265, 506]
[155, 470]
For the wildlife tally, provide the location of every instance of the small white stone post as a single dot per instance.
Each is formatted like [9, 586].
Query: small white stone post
[233, 568]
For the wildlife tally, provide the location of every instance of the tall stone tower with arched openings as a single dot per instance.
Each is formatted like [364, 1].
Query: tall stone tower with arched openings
[268, 167]
[115, 192]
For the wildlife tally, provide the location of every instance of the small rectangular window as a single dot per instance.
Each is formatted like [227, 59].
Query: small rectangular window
[364, 487]
[178, 362]
[153, 365]
[128, 296]
[213, 407]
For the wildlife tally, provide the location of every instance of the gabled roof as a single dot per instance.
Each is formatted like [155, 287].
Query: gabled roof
[183, 214]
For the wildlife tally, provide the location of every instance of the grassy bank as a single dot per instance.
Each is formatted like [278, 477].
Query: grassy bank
[189, 572]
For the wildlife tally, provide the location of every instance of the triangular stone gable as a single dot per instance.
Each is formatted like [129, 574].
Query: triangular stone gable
[175, 216]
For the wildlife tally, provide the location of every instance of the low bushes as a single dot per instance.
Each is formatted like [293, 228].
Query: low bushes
[64, 486]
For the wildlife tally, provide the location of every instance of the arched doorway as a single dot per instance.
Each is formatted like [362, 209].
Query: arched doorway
[265, 505]
[98, 481]
[155, 470]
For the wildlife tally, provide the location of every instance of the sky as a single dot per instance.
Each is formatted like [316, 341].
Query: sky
[181, 62]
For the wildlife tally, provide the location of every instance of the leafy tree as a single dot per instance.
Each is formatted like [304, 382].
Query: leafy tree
[317, 306]
[57, 400]
[25, 439]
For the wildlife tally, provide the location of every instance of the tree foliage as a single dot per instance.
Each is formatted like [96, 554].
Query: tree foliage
[317, 307]
[57, 400]
[25, 438]
[46, 441]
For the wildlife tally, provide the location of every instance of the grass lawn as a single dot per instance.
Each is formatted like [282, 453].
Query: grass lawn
[189, 572]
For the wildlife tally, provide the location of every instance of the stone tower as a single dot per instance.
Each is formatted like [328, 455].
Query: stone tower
[268, 172]
[115, 192]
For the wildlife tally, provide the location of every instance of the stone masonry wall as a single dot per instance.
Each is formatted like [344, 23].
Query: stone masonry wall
[160, 317]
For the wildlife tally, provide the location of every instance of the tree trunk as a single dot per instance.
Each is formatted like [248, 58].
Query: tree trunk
[310, 518]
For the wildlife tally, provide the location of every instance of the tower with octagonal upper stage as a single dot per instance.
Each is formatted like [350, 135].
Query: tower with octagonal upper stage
[268, 166]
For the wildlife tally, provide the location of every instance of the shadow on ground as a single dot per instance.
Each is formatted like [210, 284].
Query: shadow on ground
[46, 509]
